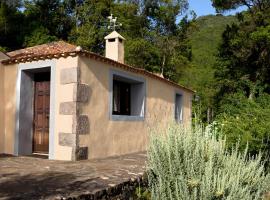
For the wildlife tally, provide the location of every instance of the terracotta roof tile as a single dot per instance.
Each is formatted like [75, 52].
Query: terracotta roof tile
[63, 49]
[44, 49]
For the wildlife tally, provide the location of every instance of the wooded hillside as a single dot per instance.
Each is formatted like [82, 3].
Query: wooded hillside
[205, 37]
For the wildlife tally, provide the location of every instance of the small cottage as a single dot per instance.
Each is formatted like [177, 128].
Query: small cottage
[70, 104]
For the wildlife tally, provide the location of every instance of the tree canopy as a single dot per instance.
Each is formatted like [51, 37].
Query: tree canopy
[225, 5]
[152, 28]
[242, 76]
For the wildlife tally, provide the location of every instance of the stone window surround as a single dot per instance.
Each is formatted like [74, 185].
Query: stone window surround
[34, 66]
[132, 77]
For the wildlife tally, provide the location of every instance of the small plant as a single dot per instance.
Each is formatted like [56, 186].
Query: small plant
[193, 164]
[142, 193]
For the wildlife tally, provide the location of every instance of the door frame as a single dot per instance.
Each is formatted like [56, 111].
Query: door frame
[24, 119]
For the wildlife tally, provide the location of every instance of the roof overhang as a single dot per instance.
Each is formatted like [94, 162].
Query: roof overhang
[94, 56]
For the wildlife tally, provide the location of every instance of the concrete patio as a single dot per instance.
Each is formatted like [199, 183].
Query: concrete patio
[38, 178]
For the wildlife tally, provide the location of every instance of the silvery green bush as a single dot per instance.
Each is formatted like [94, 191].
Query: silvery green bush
[193, 164]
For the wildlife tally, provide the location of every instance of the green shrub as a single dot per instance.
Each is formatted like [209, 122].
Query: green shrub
[142, 193]
[246, 121]
[3, 49]
[191, 164]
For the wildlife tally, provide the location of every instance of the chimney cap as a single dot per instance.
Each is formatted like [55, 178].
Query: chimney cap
[113, 35]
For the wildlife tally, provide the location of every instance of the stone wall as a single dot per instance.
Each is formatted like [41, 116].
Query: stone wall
[123, 191]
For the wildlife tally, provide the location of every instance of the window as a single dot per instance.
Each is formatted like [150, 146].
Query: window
[127, 96]
[112, 40]
[178, 108]
[121, 98]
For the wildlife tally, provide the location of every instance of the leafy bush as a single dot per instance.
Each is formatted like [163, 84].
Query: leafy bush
[246, 121]
[194, 164]
[3, 49]
[142, 193]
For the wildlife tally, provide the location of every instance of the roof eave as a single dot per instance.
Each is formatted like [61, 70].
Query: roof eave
[96, 57]
[132, 69]
[38, 57]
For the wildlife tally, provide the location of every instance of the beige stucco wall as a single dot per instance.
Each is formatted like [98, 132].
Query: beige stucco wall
[2, 135]
[109, 138]
[64, 93]
[10, 76]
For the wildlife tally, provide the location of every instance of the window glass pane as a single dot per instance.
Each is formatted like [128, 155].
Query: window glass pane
[121, 98]
[128, 97]
[178, 108]
[116, 98]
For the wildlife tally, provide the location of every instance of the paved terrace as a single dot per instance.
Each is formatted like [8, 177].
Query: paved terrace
[37, 178]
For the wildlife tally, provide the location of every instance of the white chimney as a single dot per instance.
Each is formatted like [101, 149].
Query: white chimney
[115, 47]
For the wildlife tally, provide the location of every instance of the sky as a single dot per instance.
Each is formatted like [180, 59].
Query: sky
[204, 7]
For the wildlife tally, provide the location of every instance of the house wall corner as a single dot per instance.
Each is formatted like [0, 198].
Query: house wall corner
[72, 95]
[2, 134]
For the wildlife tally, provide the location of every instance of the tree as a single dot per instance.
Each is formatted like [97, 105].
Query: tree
[149, 27]
[90, 30]
[142, 53]
[170, 38]
[54, 16]
[224, 5]
[12, 3]
[242, 76]
[40, 35]
[11, 20]
[243, 56]
[244, 62]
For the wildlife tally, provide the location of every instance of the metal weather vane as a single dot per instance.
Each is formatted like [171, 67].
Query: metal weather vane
[113, 22]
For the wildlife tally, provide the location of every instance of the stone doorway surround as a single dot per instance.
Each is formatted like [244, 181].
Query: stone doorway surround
[24, 106]
[24, 109]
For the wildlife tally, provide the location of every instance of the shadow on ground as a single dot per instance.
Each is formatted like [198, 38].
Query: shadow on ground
[42, 186]
[30, 178]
